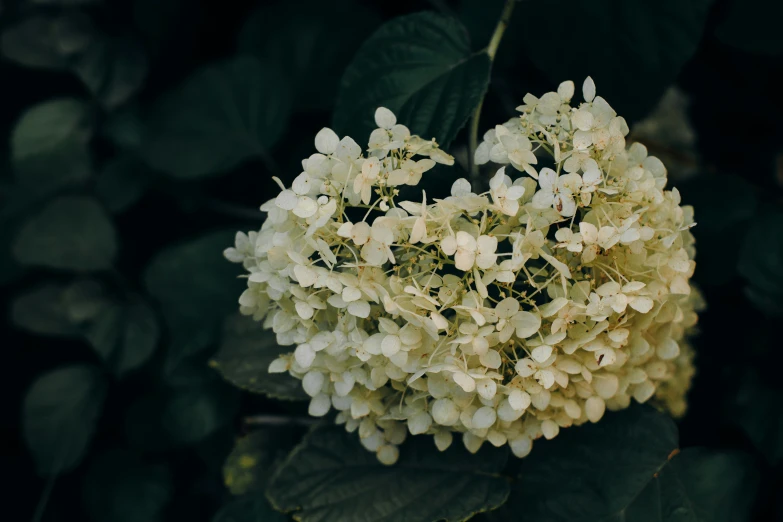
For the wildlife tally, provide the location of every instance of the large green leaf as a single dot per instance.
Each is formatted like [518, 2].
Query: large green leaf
[315, 46]
[49, 145]
[196, 288]
[330, 476]
[421, 67]
[250, 508]
[760, 260]
[244, 356]
[59, 416]
[121, 487]
[69, 233]
[628, 467]
[708, 486]
[256, 456]
[221, 116]
[633, 50]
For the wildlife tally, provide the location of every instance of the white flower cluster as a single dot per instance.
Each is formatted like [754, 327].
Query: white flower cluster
[502, 316]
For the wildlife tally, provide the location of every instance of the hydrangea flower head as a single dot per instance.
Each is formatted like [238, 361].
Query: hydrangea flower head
[500, 316]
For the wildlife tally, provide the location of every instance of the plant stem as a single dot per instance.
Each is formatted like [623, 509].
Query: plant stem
[234, 210]
[44, 500]
[492, 49]
[505, 18]
[278, 420]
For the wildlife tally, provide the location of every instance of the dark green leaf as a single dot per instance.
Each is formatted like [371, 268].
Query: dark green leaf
[421, 67]
[633, 50]
[316, 46]
[44, 311]
[48, 42]
[122, 182]
[49, 146]
[47, 125]
[223, 115]
[70, 233]
[196, 288]
[113, 69]
[330, 476]
[194, 413]
[251, 508]
[120, 487]
[752, 26]
[708, 486]
[60, 412]
[760, 260]
[244, 356]
[628, 467]
[84, 300]
[595, 471]
[255, 458]
[124, 335]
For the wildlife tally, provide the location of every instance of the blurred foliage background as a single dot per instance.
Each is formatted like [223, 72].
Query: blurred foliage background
[138, 135]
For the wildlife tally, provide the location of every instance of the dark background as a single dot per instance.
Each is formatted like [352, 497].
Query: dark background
[732, 174]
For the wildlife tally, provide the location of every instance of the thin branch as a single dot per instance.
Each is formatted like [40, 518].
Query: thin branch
[234, 210]
[278, 420]
[492, 49]
[44, 500]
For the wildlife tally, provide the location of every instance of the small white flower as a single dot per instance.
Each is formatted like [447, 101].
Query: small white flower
[364, 182]
[463, 246]
[384, 118]
[506, 198]
[326, 141]
[568, 240]
[555, 192]
[588, 89]
[467, 250]
[410, 172]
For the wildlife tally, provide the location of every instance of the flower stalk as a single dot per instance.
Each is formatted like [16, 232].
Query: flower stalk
[492, 49]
